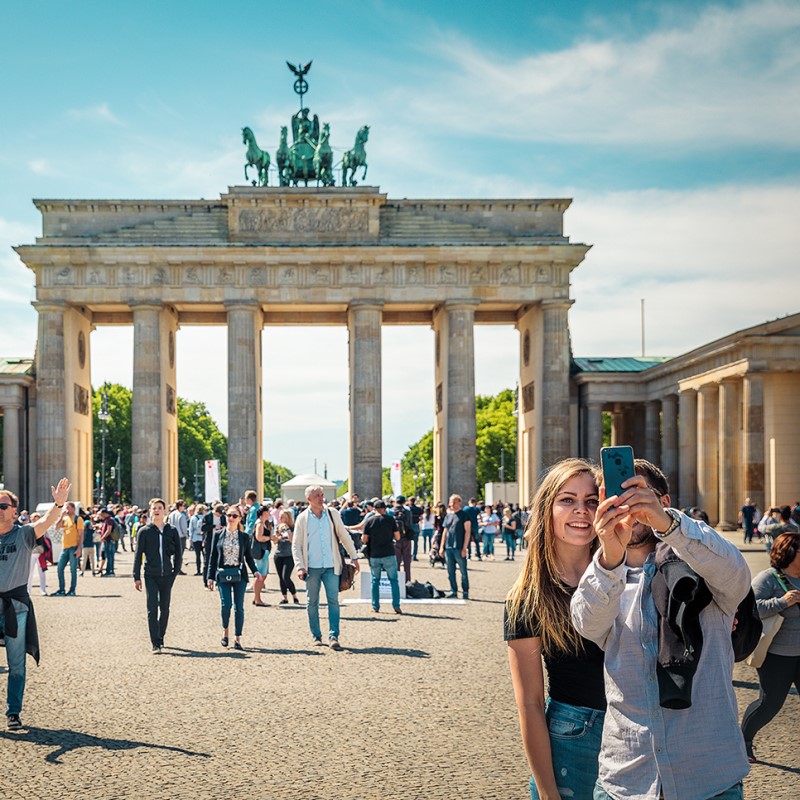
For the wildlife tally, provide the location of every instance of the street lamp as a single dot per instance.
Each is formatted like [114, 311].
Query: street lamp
[104, 418]
[196, 483]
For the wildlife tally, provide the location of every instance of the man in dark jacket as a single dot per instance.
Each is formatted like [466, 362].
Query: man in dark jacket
[160, 545]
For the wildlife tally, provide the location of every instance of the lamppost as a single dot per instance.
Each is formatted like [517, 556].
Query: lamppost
[97, 486]
[104, 418]
[422, 480]
[196, 482]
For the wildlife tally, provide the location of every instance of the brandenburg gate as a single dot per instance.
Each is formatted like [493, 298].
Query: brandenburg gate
[298, 256]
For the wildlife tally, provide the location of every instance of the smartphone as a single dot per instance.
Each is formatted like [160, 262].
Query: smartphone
[617, 463]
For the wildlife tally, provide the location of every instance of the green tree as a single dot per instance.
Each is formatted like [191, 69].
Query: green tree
[117, 440]
[199, 439]
[274, 476]
[416, 468]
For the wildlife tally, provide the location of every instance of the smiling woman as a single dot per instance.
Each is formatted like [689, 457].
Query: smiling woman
[561, 730]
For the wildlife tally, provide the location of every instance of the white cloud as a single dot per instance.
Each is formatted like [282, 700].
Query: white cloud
[40, 166]
[723, 76]
[99, 113]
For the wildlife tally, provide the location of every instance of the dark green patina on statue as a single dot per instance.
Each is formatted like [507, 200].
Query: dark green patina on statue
[310, 155]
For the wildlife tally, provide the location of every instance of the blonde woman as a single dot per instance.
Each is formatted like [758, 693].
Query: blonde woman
[284, 562]
[561, 728]
[262, 546]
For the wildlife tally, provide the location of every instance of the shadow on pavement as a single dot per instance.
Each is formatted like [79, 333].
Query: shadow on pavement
[181, 652]
[63, 741]
[425, 616]
[283, 651]
[781, 767]
[753, 685]
[388, 651]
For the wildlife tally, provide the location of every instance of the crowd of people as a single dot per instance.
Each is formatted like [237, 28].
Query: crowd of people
[621, 627]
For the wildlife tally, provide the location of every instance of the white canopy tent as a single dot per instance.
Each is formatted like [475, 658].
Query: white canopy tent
[295, 489]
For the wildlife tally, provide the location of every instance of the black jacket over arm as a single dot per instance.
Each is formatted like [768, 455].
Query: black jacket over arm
[147, 545]
[245, 556]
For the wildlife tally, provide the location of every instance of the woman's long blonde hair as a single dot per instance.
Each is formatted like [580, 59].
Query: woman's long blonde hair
[538, 593]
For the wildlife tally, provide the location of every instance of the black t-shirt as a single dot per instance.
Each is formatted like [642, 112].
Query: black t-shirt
[574, 678]
[380, 530]
[351, 516]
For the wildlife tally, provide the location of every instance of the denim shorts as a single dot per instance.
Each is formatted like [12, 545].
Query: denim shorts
[262, 564]
[575, 736]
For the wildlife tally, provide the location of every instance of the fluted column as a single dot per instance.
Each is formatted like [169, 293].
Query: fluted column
[594, 430]
[753, 453]
[555, 391]
[618, 434]
[51, 455]
[12, 455]
[687, 436]
[652, 431]
[728, 434]
[245, 460]
[460, 369]
[364, 319]
[669, 440]
[707, 449]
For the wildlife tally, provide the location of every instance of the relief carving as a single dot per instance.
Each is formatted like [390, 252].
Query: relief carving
[128, 276]
[257, 276]
[81, 400]
[171, 400]
[527, 397]
[439, 403]
[303, 220]
[319, 276]
[159, 276]
[97, 277]
[478, 274]
[192, 275]
[225, 275]
[352, 275]
[415, 275]
[64, 276]
[447, 274]
[543, 275]
[289, 275]
[384, 275]
[509, 275]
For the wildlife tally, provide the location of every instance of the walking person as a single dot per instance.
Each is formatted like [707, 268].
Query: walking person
[261, 546]
[284, 562]
[561, 727]
[230, 557]
[319, 535]
[39, 561]
[509, 533]
[456, 534]
[489, 523]
[17, 619]
[777, 591]
[426, 526]
[404, 543]
[71, 549]
[159, 545]
[196, 537]
[87, 560]
[179, 520]
[381, 534]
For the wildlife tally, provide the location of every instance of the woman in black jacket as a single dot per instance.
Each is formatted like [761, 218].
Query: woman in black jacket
[229, 558]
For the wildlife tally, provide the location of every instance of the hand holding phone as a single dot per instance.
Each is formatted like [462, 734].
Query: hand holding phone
[617, 464]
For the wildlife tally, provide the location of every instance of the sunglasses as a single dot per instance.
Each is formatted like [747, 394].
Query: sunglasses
[233, 516]
[5, 506]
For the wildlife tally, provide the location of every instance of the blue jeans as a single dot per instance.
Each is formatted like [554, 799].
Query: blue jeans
[575, 735]
[111, 551]
[734, 793]
[454, 557]
[415, 539]
[317, 576]
[388, 565]
[511, 543]
[15, 653]
[232, 594]
[68, 555]
[488, 544]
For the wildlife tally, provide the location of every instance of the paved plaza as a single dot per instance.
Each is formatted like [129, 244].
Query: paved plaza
[418, 706]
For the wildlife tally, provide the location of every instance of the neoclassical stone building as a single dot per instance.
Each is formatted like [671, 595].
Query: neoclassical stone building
[722, 419]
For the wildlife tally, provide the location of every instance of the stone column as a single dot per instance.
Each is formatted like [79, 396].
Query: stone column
[618, 426]
[652, 431]
[753, 451]
[728, 435]
[458, 374]
[594, 430]
[154, 470]
[669, 441]
[51, 443]
[555, 389]
[245, 460]
[687, 436]
[707, 450]
[364, 319]
[12, 452]
[529, 416]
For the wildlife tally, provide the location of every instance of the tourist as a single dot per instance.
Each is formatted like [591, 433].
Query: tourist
[319, 535]
[179, 520]
[473, 516]
[489, 522]
[561, 727]
[670, 712]
[159, 544]
[230, 558]
[71, 549]
[405, 542]
[456, 535]
[416, 514]
[426, 527]
[747, 518]
[381, 534]
[40, 560]
[108, 537]
[284, 562]
[87, 561]
[17, 619]
[509, 533]
[777, 591]
[261, 547]
[196, 536]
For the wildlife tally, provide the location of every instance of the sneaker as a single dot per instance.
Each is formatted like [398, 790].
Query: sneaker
[59, 593]
[70, 594]
[317, 642]
[13, 721]
[465, 595]
[296, 601]
[333, 643]
[452, 595]
[374, 611]
[237, 646]
[44, 593]
[398, 611]
[156, 649]
[284, 602]
[751, 756]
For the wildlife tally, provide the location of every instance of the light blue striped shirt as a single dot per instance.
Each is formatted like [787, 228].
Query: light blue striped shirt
[320, 551]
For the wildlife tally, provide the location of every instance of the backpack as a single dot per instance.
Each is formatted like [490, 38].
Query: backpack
[400, 521]
[114, 535]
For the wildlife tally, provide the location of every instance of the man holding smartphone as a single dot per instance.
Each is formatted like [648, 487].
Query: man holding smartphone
[664, 726]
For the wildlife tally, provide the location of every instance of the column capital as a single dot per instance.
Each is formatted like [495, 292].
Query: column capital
[242, 305]
[366, 302]
[12, 406]
[145, 305]
[49, 306]
[556, 303]
[461, 305]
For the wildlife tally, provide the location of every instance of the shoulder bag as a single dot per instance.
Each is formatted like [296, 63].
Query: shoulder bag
[771, 627]
[347, 578]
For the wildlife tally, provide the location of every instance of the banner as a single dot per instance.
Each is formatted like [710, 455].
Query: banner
[212, 481]
[394, 478]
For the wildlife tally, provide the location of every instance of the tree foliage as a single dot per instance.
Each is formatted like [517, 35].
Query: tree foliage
[199, 439]
[274, 476]
[117, 440]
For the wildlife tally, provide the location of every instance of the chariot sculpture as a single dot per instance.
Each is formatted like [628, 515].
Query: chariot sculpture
[310, 156]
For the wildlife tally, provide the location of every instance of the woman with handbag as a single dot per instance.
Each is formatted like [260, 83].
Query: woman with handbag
[284, 561]
[562, 724]
[230, 556]
[261, 546]
[777, 592]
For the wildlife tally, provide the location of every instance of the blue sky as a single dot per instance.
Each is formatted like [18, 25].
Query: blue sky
[674, 127]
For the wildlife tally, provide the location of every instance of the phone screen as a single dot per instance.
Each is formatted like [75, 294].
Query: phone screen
[617, 463]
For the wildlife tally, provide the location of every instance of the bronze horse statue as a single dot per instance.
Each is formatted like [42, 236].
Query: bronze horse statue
[355, 158]
[323, 157]
[283, 158]
[256, 157]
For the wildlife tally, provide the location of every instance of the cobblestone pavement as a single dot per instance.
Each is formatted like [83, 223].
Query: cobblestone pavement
[415, 706]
